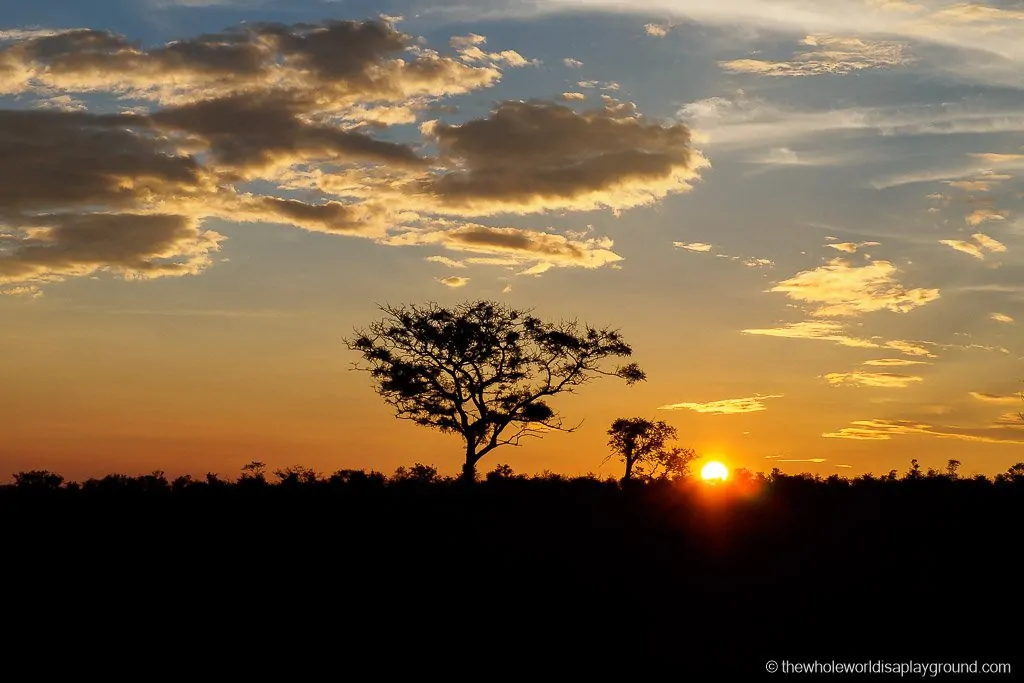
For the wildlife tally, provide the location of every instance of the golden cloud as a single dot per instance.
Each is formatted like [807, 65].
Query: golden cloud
[259, 132]
[730, 406]
[59, 160]
[656, 30]
[965, 247]
[979, 216]
[344, 62]
[296, 106]
[902, 6]
[1012, 420]
[835, 332]
[454, 281]
[852, 247]
[330, 217]
[886, 380]
[910, 348]
[840, 289]
[884, 430]
[827, 55]
[977, 248]
[998, 158]
[1014, 399]
[1001, 318]
[969, 12]
[531, 157]
[813, 329]
[470, 40]
[988, 242]
[693, 246]
[134, 246]
[814, 460]
[444, 260]
[513, 246]
[971, 185]
[893, 362]
[30, 291]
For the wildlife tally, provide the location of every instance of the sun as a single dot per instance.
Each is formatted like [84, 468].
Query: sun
[714, 471]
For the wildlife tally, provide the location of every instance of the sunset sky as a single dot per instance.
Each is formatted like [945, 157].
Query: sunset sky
[804, 216]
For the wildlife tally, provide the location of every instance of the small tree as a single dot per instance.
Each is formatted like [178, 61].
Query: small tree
[642, 447]
[482, 370]
[255, 471]
[915, 470]
[953, 468]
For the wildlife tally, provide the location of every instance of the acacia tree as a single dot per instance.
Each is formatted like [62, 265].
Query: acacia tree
[483, 370]
[642, 446]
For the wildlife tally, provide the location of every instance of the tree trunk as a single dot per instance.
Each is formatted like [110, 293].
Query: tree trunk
[469, 467]
[629, 469]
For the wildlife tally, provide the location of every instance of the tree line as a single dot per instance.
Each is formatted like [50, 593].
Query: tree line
[255, 476]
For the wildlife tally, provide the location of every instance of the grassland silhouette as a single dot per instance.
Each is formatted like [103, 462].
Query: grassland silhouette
[652, 574]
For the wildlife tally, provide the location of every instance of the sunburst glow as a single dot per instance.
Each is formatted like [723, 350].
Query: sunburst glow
[714, 471]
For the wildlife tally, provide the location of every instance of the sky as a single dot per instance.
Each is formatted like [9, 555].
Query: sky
[804, 217]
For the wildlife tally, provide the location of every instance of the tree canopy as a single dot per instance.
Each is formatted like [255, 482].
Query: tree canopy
[642, 446]
[483, 370]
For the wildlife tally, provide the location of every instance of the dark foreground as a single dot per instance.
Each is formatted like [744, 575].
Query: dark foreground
[363, 578]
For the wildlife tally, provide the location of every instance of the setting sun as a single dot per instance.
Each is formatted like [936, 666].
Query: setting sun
[714, 471]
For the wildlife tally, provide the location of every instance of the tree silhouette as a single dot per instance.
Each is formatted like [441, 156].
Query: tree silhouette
[38, 480]
[255, 471]
[419, 472]
[642, 447]
[483, 370]
[953, 468]
[915, 470]
[296, 474]
[502, 472]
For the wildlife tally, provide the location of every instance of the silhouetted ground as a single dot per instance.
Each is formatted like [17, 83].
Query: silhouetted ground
[562, 578]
